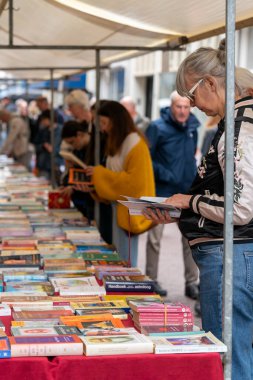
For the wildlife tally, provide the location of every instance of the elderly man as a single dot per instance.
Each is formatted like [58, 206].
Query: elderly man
[78, 104]
[173, 143]
[140, 121]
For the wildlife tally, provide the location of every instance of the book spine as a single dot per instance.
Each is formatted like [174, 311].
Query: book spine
[129, 286]
[186, 350]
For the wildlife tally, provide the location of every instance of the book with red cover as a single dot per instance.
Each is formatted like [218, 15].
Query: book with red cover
[57, 200]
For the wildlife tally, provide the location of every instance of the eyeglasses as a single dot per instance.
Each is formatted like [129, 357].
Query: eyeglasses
[190, 93]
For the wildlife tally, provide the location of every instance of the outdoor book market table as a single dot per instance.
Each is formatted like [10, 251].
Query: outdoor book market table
[123, 367]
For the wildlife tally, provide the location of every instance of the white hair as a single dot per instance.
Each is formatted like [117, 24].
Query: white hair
[78, 97]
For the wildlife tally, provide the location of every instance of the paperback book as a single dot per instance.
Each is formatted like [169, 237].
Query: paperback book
[117, 345]
[136, 206]
[205, 342]
[55, 330]
[51, 345]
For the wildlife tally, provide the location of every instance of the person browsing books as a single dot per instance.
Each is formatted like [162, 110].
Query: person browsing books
[173, 143]
[76, 135]
[128, 171]
[201, 77]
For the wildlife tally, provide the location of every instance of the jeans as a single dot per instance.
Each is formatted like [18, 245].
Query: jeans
[209, 258]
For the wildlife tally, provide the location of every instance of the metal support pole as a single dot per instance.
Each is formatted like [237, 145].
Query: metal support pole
[229, 184]
[10, 22]
[53, 181]
[97, 134]
[26, 88]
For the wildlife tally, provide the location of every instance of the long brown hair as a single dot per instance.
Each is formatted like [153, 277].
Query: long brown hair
[122, 124]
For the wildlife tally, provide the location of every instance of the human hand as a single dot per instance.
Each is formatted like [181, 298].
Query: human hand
[48, 147]
[84, 187]
[66, 190]
[89, 170]
[179, 200]
[158, 216]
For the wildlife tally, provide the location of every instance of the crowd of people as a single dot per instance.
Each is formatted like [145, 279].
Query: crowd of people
[158, 158]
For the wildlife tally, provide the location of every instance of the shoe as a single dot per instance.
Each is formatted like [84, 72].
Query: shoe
[197, 309]
[159, 290]
[192, 291]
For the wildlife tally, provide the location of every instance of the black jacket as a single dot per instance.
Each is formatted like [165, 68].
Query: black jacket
[205, 217]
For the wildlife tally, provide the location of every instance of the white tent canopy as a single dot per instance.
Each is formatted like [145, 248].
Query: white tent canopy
[103, 24]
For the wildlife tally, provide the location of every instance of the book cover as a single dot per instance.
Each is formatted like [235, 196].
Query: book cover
[145, 287]
[5, 310]
[116, 313]
[138, 297]
[58, 200]
[136, 206]
[109, 331]
[155, 307]
[20, 261]
[54, 345]
[5, 350]
[164, 331]
[55, 330]
[79, 176]
[117, 345]
[41, 315]
[205, 342]
[31, 286]
[77, 319]
[24, 276]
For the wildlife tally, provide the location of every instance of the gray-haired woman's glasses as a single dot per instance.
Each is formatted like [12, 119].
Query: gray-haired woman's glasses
[190, 93]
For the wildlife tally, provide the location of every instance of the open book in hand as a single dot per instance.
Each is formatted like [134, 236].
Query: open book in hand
[136, 206]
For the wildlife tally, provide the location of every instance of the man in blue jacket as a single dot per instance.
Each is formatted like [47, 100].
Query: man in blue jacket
[173, 143]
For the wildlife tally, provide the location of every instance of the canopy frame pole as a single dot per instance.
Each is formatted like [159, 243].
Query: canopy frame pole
[10, 23]
[229, 186]
[97, 130]
[52, 123]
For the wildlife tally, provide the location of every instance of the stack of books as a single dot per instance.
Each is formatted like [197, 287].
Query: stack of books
[160, 315]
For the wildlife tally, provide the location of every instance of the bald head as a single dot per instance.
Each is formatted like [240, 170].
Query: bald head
[129, 105]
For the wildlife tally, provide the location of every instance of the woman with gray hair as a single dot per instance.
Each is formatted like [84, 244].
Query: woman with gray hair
[201, 77]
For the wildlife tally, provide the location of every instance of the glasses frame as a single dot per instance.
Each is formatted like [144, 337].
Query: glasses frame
[191, 91]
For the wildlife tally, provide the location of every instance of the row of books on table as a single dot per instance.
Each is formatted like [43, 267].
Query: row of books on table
[50, 326]
[55, 276]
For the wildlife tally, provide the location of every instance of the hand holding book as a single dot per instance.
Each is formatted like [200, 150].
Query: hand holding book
[153, 208]
[158, 215]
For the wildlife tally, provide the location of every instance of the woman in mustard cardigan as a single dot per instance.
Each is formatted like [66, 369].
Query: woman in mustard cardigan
[128, 171]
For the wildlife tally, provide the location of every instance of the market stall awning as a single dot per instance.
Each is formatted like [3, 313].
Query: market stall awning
[119, 28]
